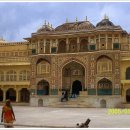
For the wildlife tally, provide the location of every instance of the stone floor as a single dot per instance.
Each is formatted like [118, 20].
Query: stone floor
[69, 117]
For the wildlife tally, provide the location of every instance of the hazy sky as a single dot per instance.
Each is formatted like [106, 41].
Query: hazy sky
[19, 20]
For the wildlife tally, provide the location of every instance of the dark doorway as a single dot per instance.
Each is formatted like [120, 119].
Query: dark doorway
[1, 95]
[76, 87]
[128, 96]
[43, 88]
[24, 95]
[11, 94]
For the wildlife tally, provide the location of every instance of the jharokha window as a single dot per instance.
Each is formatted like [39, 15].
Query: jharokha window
[11, 76]
[43, 67]
[24, 75]
[104, 65]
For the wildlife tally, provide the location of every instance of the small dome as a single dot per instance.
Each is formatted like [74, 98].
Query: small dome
[82, 25]
[104, 23]
[45, 28]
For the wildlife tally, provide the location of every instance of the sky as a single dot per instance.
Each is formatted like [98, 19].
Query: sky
[19, 19]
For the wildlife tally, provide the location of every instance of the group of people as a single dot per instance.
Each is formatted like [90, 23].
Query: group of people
[7, 116]
[65, 95]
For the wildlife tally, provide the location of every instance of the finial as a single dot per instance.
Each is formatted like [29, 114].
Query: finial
[105, 16]
[45, 22]
[86, 18]
[76, 19]
[66, 20]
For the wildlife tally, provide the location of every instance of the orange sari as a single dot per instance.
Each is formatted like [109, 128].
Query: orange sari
[8, 114]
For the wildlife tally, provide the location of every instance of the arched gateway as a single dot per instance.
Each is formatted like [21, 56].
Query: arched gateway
[43, 88]
[73, 77]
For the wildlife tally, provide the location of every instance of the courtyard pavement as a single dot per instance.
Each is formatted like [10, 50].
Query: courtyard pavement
[69, 117]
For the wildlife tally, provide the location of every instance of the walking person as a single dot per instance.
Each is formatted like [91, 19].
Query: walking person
[7, 115]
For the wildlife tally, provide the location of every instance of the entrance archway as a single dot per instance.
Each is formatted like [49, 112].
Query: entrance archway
[76, 87]
[1, 95]
[104, 87]
[73, 77]
[11, 94]
[43, 88]
[128, 96]
[24, 95]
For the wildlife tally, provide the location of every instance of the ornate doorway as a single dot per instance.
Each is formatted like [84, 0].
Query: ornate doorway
[76, 87]
[104, 87]
[24, 95]
[73, 77]
[11, 94]
[43, 88]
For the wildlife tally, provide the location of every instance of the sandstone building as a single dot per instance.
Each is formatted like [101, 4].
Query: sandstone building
[91, 61]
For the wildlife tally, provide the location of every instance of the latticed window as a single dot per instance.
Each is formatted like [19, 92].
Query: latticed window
[1, 76]
[43, 67]
[11, 76]
[24, 75]
[104, 65]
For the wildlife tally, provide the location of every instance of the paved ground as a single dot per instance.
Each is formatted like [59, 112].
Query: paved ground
[69, 117]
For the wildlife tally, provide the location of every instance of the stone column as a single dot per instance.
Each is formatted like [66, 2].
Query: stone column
[78, 44]
[4, 95]
[44, 48]
[17, 95]
[67, 44]
[106, 41]
[56, 45]
[99, 42]
[38, 47]
[50, 45]
[112, 41]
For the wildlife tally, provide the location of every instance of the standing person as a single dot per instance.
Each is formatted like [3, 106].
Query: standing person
[7, 115]
[66, 95]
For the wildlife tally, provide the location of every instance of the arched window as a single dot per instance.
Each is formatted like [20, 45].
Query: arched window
[24, 75]
[104, 87]
[62, 47]
[11, 76]
[43, 67]
[104, 65]
[84, 45]
[73, 46]
[128, 73]
[1, 76]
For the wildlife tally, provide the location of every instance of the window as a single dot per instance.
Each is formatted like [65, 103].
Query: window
[53, 50]
[104, 65]
[33, 51]
[92, 47]
[116, 46]
[1, 76]
[43, 67]
[24, 75]
[11, 76]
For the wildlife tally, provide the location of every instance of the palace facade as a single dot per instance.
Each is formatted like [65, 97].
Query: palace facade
[90, 61]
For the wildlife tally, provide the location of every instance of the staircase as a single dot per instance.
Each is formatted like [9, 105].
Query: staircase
[71, 103]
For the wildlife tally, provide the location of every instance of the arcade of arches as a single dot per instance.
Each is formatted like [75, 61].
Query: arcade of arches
[73, 77]
[22, 95]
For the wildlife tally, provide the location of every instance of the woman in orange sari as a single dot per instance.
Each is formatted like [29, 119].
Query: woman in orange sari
[7, 114]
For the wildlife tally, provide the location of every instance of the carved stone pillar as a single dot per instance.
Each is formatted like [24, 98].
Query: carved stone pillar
[44, 48]
[78, 44]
